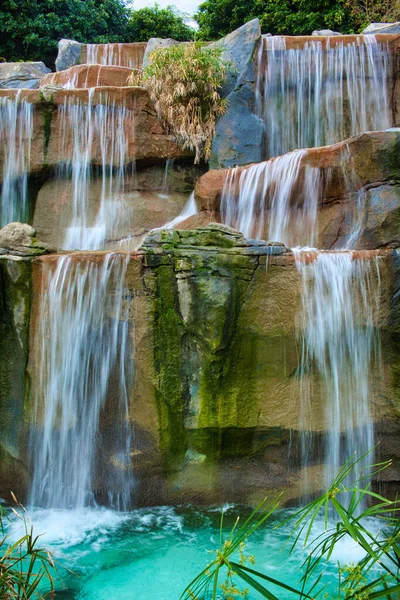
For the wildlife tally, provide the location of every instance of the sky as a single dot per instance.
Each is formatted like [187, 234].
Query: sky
[187, 6]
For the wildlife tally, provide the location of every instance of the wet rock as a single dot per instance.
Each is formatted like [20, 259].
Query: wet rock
[19, 239]
[87, 76]
[69, 52]
[22, 75]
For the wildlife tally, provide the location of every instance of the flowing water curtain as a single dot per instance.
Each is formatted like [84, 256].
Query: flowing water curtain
[84, 375]
[120, 55]
[340, 356]
[314, 96]
[278, 199]
[83, 128]
[16, 130]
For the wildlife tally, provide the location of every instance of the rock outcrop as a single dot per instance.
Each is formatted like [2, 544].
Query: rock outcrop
[22, 74]
[69, 52]
[239, 132]
[19, 239]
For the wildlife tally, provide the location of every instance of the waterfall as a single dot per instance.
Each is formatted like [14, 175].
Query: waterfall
[120, 55]
[314, 96]
[84, 371]
[340, 298]
[16, 130]
[279, 196]
[82, 128]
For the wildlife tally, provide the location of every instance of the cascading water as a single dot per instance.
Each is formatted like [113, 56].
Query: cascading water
[313, 96]
[279, 196]
[340, 298]
[82, 126]
[16, 130]
[120, 55]
[84, 369]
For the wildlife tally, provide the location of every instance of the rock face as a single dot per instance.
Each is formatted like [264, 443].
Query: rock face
[19, 239]
[69, 52]
[22, 75]
[364, 169]
[88, 76]
[239, 132]
[382, 28]
[150, 198]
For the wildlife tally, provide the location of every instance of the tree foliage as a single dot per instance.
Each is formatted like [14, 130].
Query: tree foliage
[154, 21]
[216, 18]
[31, 29]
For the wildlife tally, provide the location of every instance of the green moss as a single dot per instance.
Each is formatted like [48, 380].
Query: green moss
[169, 330]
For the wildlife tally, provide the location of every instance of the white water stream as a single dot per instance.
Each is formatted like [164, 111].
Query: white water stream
[84, 369]
[82, 128]
[16, 130]
[314, 96]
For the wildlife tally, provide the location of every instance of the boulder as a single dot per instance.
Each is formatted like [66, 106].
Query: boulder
[239, 132]
[88, 76]
[155, 44]
[382, 28]
[69, 52]
[22, 74]
[325, 32]
[19, 239]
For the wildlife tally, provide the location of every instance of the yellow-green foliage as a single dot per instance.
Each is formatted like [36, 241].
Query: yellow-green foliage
[184, 83]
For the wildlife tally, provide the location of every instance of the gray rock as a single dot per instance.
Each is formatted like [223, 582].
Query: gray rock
[22, 74]
[154, 44]
[325, 32]
[239, 50]
[382, 28]
[69, 52]
[239, 133]
[19, 239]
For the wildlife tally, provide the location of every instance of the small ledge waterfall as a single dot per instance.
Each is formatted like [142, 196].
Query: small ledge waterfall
[85, 368]
[315, 95]
[16, 130]
[81, 126]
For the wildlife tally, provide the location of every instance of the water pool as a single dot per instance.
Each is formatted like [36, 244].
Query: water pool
[153, 554]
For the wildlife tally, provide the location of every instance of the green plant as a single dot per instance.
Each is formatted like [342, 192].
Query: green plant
[154, 21]
[23, 564]
[376, 575]
[184, 82]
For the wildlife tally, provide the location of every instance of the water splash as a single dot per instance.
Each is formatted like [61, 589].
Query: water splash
[340, 299]
[314, 96]
[16, 130]
[84, 369]
[279, 196]
[82, 126]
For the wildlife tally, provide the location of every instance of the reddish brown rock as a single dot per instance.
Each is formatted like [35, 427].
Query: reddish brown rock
[88, 76]
[146, 139]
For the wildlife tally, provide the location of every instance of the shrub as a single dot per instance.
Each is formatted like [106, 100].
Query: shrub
[184, 83]
[23, 564]
[376, 575]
